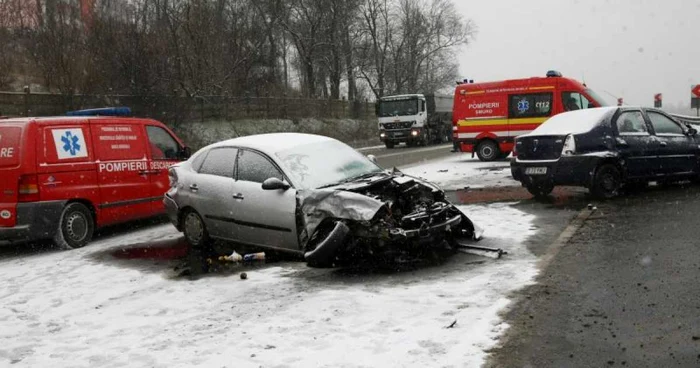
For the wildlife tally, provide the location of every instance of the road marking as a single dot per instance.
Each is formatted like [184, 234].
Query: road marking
[564, 237]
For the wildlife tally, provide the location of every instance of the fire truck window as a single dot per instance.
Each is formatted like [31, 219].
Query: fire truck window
[530, 105]
[575, 101]
[256, 168]
[163, 145]
[220, 162]
[422, 106]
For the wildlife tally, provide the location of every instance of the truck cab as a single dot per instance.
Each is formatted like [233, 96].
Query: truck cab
[414, 119]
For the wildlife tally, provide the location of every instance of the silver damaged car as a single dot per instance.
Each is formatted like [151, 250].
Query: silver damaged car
[310, 195]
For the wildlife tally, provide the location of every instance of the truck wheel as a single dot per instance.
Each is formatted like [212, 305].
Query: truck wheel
[607, 182]
[388, 144]
[75, 228]
[540, 190]
[488, 150]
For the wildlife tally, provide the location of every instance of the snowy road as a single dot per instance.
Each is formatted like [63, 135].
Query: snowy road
[87, 308]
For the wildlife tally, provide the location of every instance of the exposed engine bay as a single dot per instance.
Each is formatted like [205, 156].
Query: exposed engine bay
[394, 215]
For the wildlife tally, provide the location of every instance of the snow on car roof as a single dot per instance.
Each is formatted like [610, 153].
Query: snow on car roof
[274, 142]
[572, 122]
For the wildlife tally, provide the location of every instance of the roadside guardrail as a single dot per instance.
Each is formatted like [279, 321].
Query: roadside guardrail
[687, 119]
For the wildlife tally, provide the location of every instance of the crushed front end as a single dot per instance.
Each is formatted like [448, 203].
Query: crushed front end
[395, 217]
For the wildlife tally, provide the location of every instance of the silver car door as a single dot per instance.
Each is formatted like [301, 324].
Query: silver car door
[211, 192]
[264, 217]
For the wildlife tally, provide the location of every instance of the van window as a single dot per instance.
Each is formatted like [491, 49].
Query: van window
[220, 162]
[163, 145]
[256, 168]
[575, 101]
[9, 145]
[530, 105]
[118, 141]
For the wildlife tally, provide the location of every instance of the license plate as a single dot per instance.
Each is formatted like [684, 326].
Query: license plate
[398, 134]
[536, 171]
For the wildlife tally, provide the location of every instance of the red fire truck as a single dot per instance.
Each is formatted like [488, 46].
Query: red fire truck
[488, 116]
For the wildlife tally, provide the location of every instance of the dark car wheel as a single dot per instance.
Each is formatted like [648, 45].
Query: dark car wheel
[388, 144]
[540, 190]
[76, 227]
[607, 182]
[488, 150]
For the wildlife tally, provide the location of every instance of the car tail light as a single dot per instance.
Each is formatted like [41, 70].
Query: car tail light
[28, 189]
[172, 177]
[569, 146]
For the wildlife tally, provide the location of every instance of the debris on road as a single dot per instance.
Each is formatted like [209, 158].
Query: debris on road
[244, 276]
[452, 325]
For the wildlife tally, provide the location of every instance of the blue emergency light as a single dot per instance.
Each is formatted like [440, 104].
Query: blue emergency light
[553, 73]
[105, 111]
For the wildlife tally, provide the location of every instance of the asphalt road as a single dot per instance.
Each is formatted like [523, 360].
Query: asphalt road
[403, 155]
[622, 292]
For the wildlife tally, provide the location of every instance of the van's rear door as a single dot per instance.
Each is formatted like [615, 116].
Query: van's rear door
[10, 144]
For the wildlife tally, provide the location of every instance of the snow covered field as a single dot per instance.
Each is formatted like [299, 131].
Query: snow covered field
[461, 170]
[85, 308]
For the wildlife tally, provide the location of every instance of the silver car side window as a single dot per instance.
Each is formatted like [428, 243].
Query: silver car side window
[254, 167]
[220, 162]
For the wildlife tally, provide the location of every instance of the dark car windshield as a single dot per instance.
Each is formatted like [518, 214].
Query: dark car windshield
[322, 164]
[398, 107]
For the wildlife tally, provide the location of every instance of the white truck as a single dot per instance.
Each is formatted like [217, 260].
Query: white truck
[415, 119]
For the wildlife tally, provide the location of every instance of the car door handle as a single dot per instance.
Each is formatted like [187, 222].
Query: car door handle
[238, 196]
[663, 144]
[193, 187]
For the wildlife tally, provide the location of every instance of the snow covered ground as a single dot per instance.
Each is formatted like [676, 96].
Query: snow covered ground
[86, 308]
[461, 170]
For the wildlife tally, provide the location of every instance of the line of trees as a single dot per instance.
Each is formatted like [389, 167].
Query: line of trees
[315, 48]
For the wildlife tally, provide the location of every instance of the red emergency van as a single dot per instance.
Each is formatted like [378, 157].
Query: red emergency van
[62, 177]
[488, 116]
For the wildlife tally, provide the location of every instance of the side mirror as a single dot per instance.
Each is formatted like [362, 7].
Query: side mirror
[185, 153]
[692, 132]
[274, 184]
[372, 158]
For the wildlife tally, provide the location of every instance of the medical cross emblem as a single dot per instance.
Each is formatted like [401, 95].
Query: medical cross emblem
[523, 105]
[70, 143]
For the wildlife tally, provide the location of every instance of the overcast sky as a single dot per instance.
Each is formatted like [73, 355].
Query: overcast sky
[627, 48]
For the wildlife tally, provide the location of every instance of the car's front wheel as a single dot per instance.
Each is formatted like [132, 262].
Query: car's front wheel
[606, 182]
[540, 190]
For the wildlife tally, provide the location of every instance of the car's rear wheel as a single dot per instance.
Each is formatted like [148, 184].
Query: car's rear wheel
[389, 144]
[75, 227]
[197, 237]
[194, 229]
[488, 150]
[607, 182]
[540, 190]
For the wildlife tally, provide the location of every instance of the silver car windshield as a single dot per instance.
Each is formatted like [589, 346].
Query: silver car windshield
[324, 164]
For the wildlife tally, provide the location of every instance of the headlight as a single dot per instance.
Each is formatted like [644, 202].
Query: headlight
[569, 146]
[414, 133]
[382, 135]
